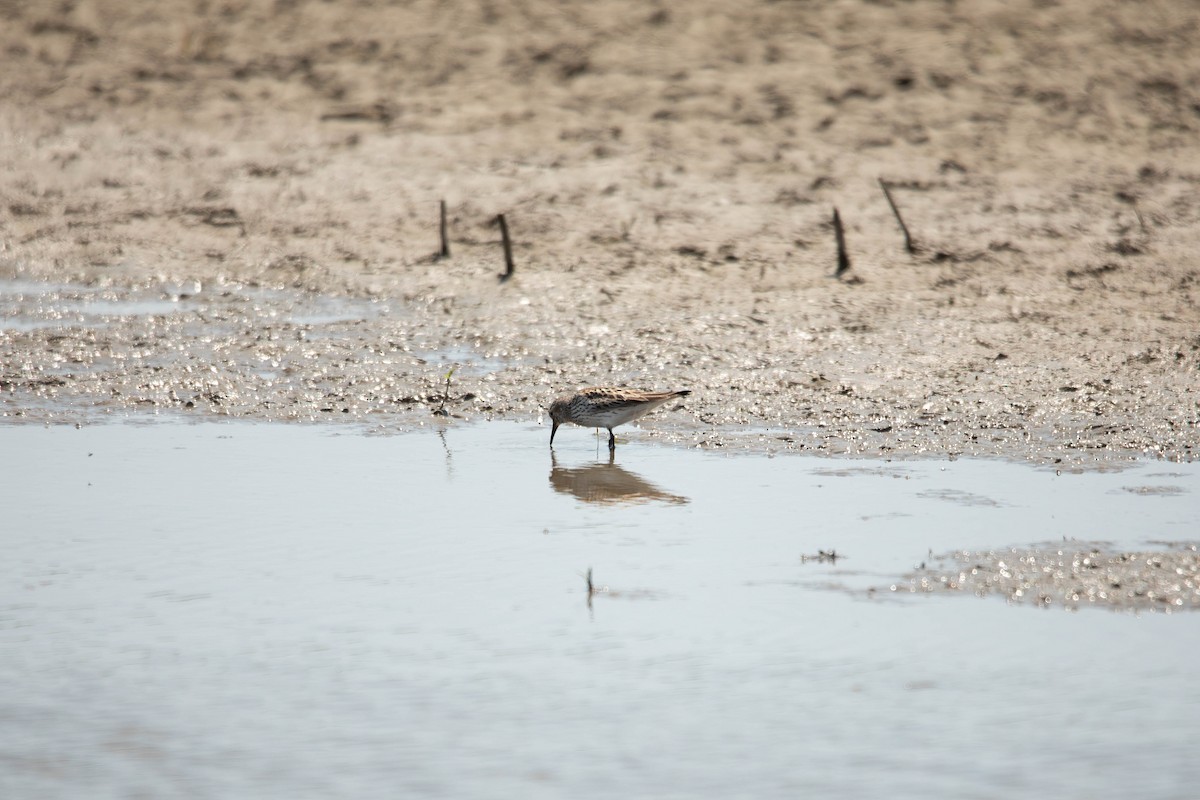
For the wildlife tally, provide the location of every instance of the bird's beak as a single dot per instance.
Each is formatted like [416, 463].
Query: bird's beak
[553, 430]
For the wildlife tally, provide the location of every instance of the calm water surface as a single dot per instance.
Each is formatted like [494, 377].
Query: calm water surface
[239, 610]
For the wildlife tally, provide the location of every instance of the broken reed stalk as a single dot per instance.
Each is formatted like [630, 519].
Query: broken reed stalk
[445, 252]
[508, 259]
[843, 260]
[908, 242]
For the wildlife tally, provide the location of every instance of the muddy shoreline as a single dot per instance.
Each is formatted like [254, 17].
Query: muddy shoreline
[250, 194]
[278, 354]
[1071, 575]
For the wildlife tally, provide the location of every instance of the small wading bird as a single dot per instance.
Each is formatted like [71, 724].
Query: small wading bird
[606, 407]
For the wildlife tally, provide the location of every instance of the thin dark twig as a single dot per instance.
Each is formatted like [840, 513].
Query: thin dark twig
[508, 259]
[843, 260]
[445, 238]
[908, 242]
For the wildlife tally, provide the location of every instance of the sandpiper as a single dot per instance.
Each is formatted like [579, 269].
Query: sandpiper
[606, 407]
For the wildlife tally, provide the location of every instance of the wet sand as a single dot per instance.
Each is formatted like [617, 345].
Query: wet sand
[1072, 575]
[669, 176]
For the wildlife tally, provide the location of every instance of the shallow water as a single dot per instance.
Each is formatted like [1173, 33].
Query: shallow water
[220, 610]
[27, 305]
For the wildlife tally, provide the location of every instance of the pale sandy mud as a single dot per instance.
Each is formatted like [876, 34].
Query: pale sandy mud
[252, 187]
[1072, 575]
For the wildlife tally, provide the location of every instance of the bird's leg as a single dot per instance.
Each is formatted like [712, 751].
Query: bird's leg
[612, 440]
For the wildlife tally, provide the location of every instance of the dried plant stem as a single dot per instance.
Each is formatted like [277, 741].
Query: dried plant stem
[508, 259]
[908, 242]
[843, 260]
[445, 251]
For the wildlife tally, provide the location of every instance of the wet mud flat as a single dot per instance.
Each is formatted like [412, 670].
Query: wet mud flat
[90, 350]
[668, 177]
[1072, 577]
[228, 214]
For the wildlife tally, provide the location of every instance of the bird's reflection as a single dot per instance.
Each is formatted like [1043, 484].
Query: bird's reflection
[608, 484]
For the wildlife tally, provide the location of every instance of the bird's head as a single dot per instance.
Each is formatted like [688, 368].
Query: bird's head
[559, 411]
